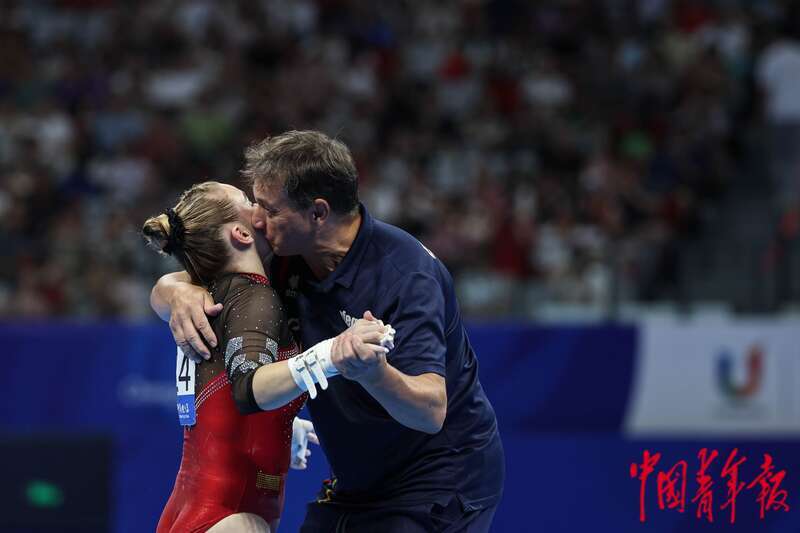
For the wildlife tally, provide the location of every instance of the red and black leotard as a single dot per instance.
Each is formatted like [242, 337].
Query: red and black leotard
[235, 458]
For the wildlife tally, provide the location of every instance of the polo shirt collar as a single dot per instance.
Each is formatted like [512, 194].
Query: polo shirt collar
[346, 271]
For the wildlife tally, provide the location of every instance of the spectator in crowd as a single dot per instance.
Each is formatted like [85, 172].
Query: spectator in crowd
[555, 145]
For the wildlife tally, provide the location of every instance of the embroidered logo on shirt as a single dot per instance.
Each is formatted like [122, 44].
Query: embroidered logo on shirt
[347, 318]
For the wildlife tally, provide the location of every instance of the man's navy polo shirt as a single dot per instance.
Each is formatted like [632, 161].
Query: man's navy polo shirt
[377, 460]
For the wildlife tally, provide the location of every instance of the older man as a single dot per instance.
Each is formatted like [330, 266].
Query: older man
[411, 437]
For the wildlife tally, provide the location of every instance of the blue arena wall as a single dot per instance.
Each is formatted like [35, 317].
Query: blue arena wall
[561, 395]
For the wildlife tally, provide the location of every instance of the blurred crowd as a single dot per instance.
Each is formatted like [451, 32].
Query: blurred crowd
[570, 146]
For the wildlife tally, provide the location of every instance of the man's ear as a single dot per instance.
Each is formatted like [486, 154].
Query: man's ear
[320, 211]
[241, 235]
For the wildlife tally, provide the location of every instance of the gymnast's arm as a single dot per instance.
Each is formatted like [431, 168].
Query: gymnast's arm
[252, 320]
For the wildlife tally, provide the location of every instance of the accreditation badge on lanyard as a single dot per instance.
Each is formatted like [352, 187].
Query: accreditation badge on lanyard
[185, 381]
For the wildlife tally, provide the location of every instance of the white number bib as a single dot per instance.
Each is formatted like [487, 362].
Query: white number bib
[185, 381]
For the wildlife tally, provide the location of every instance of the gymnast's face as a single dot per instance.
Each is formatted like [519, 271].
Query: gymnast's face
[289, 230]
[246, 209]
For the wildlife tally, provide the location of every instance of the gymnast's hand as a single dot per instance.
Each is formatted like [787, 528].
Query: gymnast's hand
[190, 306]
[360, 351]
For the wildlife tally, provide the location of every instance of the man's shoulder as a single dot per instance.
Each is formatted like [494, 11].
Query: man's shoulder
[394, 248]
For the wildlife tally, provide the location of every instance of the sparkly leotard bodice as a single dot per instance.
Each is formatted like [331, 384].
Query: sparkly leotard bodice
[235, 458]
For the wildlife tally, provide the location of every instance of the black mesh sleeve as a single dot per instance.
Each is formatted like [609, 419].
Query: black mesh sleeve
[251, 332]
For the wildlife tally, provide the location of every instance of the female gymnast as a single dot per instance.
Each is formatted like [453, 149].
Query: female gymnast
[236, 455]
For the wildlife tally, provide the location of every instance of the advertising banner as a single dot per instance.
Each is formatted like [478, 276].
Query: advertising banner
[738, 378]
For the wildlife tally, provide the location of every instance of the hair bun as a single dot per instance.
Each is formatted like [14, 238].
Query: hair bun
[156, 231]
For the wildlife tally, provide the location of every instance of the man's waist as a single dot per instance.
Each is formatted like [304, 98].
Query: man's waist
[470, 497]
[438, 471]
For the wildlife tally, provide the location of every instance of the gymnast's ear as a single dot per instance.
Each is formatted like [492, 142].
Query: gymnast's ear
[241, 235]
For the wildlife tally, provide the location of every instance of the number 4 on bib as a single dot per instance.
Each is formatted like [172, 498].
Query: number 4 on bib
[184, 382]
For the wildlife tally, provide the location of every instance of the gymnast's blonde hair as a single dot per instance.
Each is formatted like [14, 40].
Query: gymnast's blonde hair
[192, 231]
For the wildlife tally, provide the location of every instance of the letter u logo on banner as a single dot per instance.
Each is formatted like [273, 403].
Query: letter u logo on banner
[755, 369]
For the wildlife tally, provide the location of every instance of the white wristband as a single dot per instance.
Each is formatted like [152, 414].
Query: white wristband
[313, 366]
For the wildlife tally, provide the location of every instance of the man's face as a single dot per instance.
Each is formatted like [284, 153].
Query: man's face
[287, 229]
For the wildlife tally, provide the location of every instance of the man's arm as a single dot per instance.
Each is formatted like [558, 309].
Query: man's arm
[159, 300]
[418, 402]
[185, 306]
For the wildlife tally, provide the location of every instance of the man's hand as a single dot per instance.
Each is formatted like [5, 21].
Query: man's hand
[302, 433]
[358, 353]
[189, 306]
